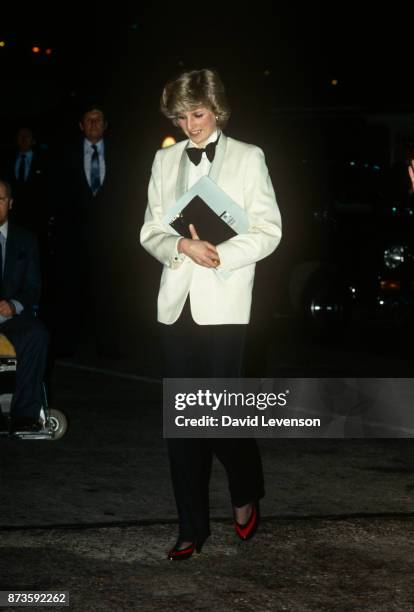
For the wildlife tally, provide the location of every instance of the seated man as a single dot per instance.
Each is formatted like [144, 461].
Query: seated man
[19, 293]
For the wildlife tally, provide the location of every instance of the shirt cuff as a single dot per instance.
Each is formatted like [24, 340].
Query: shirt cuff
[178, 258]
[18, 306]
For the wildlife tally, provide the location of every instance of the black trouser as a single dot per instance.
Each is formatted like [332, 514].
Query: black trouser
[30, 340]
[207, 351]
[88, 301]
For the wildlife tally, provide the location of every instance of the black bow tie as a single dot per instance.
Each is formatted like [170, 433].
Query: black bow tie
[195, 154]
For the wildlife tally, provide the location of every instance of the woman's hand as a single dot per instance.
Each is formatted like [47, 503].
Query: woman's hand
[7, 309]
[411, 173]
[200, 251]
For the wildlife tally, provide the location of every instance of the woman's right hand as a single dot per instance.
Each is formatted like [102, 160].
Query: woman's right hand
[411, 173]
[200, 251]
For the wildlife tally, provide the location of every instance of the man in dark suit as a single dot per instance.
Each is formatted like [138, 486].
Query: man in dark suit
[19, 292]
[89, 240]
[26, 171]
[26, 168]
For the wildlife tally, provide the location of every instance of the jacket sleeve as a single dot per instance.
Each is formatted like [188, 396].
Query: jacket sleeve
[265, 229]
[29, 288]
[154, 237]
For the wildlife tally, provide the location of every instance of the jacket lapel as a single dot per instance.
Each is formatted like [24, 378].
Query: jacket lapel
[10, 253]
[182, 177]
[218, 158]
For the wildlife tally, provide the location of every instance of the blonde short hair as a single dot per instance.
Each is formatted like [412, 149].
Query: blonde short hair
[192, 89]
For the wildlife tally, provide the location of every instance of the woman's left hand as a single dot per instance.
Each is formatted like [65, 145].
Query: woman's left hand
[200, 251]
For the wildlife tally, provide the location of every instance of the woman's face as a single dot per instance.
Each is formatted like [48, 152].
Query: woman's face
[197, 124]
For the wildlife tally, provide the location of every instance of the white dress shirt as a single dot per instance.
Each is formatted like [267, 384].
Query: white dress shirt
[28, 157]
[87, 158]
[197, 172]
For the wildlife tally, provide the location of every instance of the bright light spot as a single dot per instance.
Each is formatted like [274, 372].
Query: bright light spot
[394, 209]
[36, 49]
[381, 302]
[334, 82]
[2, 43]
[168, 141]
[48, 51]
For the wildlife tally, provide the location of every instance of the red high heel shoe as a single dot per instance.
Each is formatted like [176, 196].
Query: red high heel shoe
[177, 554]
[248, 530]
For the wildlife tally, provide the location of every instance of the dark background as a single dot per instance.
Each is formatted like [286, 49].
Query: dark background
[270, 58]
[278, 65]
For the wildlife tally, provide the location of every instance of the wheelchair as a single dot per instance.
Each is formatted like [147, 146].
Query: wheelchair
[54, 422]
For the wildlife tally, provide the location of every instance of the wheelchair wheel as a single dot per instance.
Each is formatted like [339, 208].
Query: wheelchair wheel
[58, 423]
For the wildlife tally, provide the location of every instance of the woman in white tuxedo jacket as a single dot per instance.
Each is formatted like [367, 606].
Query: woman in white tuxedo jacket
[205, 292]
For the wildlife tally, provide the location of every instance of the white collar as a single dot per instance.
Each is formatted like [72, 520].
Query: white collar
[4, 229]
[211, 138]
[87, 144]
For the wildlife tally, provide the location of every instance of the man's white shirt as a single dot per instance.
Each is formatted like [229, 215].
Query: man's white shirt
[87, 159]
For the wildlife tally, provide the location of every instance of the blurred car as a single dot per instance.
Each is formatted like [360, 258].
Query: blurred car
[351, 256]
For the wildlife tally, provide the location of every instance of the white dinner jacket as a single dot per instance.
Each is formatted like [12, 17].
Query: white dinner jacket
[240, 170]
